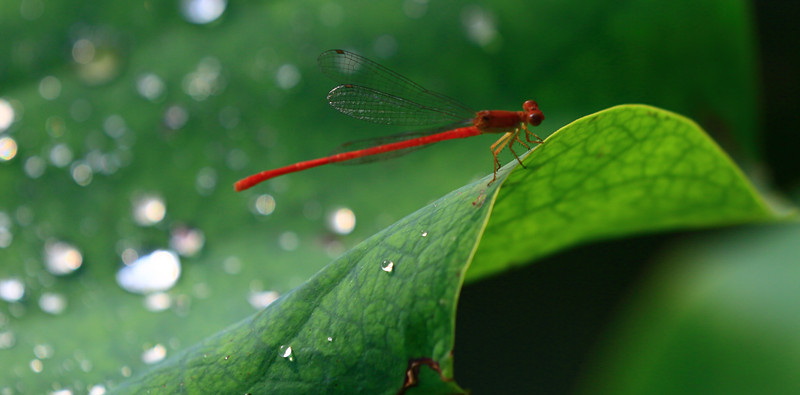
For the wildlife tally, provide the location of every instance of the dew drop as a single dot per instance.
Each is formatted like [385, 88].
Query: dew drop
[286, 352]
[387, 266]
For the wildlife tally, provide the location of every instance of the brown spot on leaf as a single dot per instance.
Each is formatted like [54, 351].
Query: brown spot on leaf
[412, 372]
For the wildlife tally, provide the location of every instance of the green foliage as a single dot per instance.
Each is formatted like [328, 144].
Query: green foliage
[354, 327]
[693, 58]
[724, 305]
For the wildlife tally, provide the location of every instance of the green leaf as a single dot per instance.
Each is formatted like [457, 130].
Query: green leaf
[627, 170]
[356, 327]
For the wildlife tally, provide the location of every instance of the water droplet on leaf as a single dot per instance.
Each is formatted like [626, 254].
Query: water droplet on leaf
[286, 352]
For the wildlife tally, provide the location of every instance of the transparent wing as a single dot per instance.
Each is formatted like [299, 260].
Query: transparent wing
[380, 107]
[374, 93]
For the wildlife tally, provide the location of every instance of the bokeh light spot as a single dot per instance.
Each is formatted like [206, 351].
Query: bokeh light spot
[330, 14]
[36, 366]
[288, 241]
[205, 80]
[158, 301]
[232, 265]
[480, 25]
[264, 204]
[5, 231]
[50, 87]
[385, 46]
[60, 155]
[342, 221]
[415, 9]
[52, 303]
[175, 117]
[31, 9]
[82, 174]
[62, 258]
[6, 114]
[7, 340]
[150, 86]
[114, 126]
[80, 110]
[34, 166]
[187, 241]
[149, 210]
[83, 51]
[156, 272]
[262, 299]
[8, 148]
[155, 354]
[288, 76]
[206, 180]
[43, 351]
[12, 289]
[202, 11]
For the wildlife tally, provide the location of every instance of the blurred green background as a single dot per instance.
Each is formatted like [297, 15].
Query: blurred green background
[123, 127]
